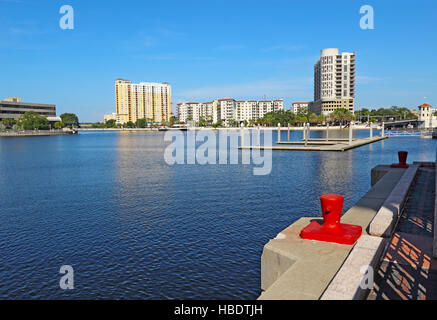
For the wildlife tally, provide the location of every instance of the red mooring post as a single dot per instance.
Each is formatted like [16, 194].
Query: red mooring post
[402, 155]
[332, 230]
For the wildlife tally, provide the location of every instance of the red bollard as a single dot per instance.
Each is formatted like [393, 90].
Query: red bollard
[332, 230]
[402, 155]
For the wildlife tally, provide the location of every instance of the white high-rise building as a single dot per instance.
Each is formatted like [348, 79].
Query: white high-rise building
[334, 82]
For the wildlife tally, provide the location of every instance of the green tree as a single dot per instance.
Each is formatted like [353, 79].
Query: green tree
[341, 115]
[9, 123]
[31, 120]
[233, 123]
[130, 124]
[202, 122]
[141, 123]
[218, 124]
[110, 123]
[58, 125]
[70, 119]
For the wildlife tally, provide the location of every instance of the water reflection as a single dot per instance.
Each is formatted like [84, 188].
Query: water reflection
[140, 229]
[142, 176]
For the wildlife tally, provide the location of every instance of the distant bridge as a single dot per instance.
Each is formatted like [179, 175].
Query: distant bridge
[402, 123]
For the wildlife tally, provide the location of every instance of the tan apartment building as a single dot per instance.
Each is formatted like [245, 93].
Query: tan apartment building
[145, 100]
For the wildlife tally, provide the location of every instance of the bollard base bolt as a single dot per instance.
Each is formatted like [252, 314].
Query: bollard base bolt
[342, 233]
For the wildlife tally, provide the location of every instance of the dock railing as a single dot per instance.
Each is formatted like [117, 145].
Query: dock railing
[408, 133]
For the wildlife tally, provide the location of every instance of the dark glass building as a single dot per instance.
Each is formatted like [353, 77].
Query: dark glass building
[13, 108]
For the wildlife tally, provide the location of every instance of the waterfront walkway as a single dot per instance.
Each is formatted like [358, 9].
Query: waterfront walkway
[407, 271]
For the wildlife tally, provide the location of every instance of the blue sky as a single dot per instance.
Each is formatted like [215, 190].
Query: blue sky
[213, 49]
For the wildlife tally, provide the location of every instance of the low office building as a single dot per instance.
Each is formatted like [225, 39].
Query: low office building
[14, 108]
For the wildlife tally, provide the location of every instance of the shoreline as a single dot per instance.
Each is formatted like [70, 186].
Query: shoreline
[36, 133]
[228, 129]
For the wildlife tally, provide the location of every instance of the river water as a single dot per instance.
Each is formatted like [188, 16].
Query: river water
[134, 227]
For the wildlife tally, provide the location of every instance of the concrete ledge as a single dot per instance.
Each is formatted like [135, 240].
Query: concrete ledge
[346, 285]
[289, 251]
[385, 220]
[296, 269]
[377, 173]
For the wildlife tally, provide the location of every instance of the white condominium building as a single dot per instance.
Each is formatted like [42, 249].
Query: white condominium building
[334, 82]
[227, 109]
[194, 111]
[266, 106]
[297, 107]
[247, 110]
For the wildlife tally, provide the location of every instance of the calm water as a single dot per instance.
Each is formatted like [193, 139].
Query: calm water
[133, 227]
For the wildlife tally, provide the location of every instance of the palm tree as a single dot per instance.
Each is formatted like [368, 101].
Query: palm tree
[313, 118]
[341, 115]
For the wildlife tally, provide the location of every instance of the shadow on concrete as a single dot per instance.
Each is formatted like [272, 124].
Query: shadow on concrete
[407, 271]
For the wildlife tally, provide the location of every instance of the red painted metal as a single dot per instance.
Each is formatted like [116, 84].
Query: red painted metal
[332, 230]
[402, 155]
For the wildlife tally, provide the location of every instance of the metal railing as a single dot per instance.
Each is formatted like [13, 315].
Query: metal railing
[408, 133]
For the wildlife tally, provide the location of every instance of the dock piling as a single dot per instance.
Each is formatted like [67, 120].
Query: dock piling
[288, 132]
[279, 132]
[307, 134]
[242, 134]
[351, 131]
[327, 131]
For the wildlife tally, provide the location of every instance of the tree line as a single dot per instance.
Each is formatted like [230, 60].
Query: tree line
[284, 117]
[339, 116]
[140, 123]
[31, 120]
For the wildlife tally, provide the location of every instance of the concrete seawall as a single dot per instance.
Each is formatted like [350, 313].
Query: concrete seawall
[296, 269]
[36, 133]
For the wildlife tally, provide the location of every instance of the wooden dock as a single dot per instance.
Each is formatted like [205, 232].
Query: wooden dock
[318, 145]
